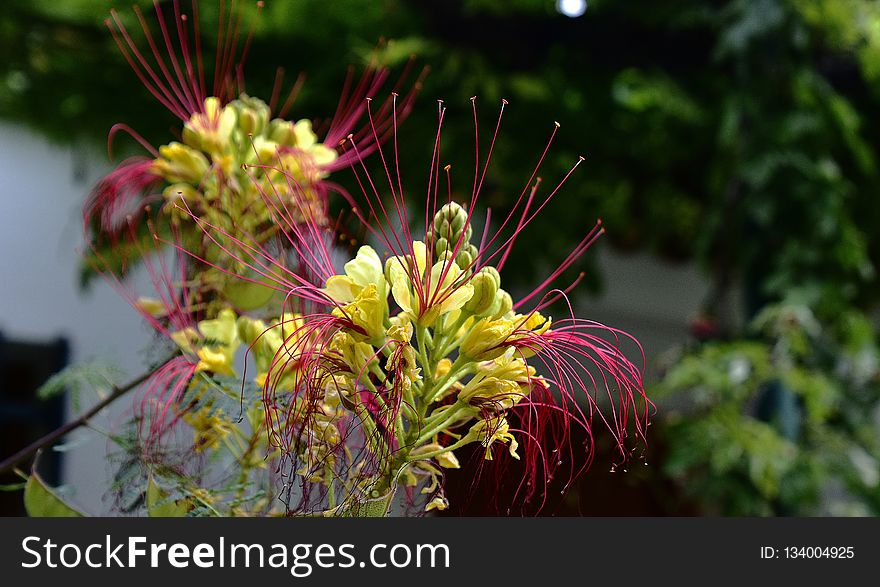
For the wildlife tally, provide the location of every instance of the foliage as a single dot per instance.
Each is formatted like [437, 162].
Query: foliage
[784, 423]
[41, 501]
[725, 123]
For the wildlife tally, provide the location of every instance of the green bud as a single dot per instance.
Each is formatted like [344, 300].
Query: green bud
[445, 231]
[455, 218]
[253, 114]
[485, 290]
[247, 122]
[466, 256]
[458, 223]
[441, 246]
[494, 273]
[281, 131]
[443, 256]
[504, 304]
[464, 259]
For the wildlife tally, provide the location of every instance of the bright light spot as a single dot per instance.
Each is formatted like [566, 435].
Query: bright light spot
[571, 8]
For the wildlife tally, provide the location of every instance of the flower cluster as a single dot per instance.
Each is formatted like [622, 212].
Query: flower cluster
[396, 361]
[370, 377]
[237, 163]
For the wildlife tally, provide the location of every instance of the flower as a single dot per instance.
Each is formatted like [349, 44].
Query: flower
[408, 362]
[426, 295]
[362, 271]
[495, 429]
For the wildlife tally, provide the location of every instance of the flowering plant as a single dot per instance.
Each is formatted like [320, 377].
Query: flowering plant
[370, 374]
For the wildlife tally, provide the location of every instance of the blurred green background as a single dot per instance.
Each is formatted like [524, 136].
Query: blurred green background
[737, 136]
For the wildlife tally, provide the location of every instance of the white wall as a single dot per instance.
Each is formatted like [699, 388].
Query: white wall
[42, 188]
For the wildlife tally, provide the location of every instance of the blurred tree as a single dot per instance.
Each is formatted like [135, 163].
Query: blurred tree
[735, 132]
[782, 424]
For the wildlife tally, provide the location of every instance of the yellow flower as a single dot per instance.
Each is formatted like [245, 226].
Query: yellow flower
[503, 392]
[500, 383]
[303, 135]
[209, 428]
[306, 140]
[185, 339]
[491, 430]
[262, 151]
[357, 355]
[212, 129]
[486, 339]
[438, 503]
[507, 366]
[179, 163]
[221, 342]
[365, 269]
[273, 346]
[535, 322]
[222, 330]
[215, 361]
[444, 366]
[436, 293]
[489, 338]
[366, 312]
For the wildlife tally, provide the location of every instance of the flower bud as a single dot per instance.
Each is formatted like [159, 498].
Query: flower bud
[485, 290]
[389, 268]
[485, 341]
[466, 256]
[444, 230]
[496, 277]
[253, 114]
[247, 122]
[179, 163]
[262, 151]
[211, 129]
[505, 304]
[441, 246]
[459, 221]
[304, 136]
[281, 131]
[451, 222]
[184, 191]
[191, 138]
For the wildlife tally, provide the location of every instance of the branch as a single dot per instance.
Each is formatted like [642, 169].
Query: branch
[57, 434]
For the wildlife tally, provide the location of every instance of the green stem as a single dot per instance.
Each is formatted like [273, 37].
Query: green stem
[458, 369]
[449, 341]
[427, 369]
[442, 421]
[436, 453]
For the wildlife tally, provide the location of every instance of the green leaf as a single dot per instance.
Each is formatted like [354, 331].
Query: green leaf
[372, 507]
[73, 378]
[160, 504]
[41, 501]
